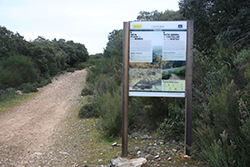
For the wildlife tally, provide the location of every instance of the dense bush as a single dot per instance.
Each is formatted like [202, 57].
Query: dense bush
[28, 87]
[7, 94]
[88, 111]
[221, 112]
[173, 125]
[16, 70]
[223, 130]
[27, 62]
[110, 110]
[86, 91]
[70, 69]
[42, 81]
[157, 109]
[110, 67]
[80, 66]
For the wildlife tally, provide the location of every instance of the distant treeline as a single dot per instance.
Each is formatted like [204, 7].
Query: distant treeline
[34, 62]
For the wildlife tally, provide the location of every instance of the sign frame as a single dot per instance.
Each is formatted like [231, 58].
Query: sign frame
[188, 82]
[157, 47]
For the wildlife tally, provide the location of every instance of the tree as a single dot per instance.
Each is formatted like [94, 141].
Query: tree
[167, 15]
[11, 44]
[16, 70]
[75, 52]
[226, 19]
[114, 44]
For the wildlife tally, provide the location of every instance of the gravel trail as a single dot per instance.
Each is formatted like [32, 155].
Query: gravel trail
[26, 129]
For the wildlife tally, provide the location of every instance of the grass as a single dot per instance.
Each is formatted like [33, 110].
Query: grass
[9, 103]
[100, 148]
[86, 146]
[92, 149]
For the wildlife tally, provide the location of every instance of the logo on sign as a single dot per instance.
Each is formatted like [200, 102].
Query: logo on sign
[137, 26]
[179, 25]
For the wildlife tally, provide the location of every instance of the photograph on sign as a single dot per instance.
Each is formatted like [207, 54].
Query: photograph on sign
[157, 59]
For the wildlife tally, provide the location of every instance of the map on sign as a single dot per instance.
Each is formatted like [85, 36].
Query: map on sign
[157, 61]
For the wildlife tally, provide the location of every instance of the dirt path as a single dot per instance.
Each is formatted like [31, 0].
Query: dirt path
[25, 130]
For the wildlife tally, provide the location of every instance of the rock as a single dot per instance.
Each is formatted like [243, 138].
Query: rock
[38, 153]
[186, 156]
[114, 144]
[162, 154]
[147, 150]
[156, 157]
[132, 149]
[18, 92]
[169, 158]
[177, 148]
[123, 162]
[64, 153]
[174, 150]
[149, 157]
[137, 148]
[150, 137]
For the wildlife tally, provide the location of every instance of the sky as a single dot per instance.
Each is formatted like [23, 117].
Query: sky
[83, 21]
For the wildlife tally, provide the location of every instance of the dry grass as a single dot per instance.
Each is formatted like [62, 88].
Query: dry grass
[5, 105]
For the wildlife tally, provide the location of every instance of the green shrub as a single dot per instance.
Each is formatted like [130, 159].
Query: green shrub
[70, 69]
[110, 110]
[91, 62]
[86, 91]
[42, 81]
[28, 87]
[105, 83]
[223, 128]
[157, 109]
[88, 111]
[137, 118]
[89, 99]
[80, 66]
[174, 125]
[7, 94]
[110, 67]
[16, 70]
[207, 78]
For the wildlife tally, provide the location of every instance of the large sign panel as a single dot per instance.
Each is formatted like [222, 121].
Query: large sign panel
[157, 61]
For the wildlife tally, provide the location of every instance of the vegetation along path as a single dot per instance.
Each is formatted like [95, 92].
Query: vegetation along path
[26, 130]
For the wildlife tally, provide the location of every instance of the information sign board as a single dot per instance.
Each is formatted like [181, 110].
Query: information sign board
[157, 58]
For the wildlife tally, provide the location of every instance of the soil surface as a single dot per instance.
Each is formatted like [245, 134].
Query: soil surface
[26, 129]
